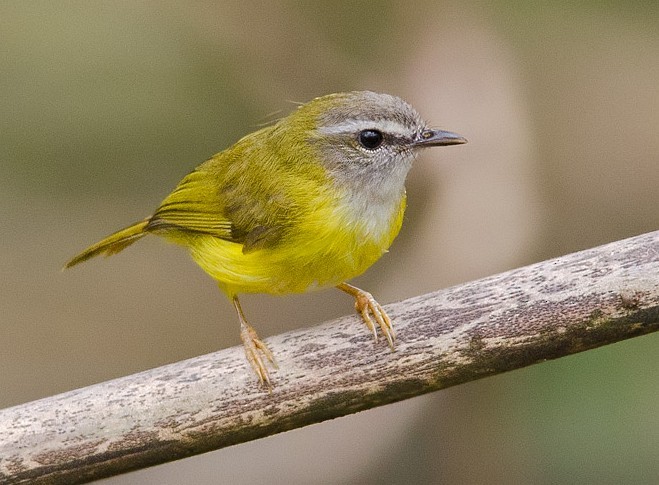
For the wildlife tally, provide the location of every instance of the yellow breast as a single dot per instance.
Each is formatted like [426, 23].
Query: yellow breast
[336, 241]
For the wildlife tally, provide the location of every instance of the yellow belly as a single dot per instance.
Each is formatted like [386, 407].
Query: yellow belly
[332, 245]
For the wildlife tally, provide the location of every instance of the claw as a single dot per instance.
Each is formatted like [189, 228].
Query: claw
[255, 348]
[363, 311]
[366, 306]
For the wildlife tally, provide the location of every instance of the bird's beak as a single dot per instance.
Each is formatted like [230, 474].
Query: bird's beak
[438, 138]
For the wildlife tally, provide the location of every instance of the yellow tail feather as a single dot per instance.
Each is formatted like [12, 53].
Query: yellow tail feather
[113, 243]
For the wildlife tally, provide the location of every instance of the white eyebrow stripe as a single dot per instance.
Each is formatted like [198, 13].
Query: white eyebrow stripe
[354, 126]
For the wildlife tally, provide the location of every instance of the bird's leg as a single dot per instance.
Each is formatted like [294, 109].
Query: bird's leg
[254, 346]
[366, 306]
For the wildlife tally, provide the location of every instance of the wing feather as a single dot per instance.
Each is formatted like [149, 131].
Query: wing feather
[208, 201]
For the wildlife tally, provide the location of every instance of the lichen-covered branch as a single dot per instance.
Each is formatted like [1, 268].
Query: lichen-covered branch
[518, 318]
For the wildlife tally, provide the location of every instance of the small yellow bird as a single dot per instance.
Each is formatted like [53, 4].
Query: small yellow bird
[308, 202]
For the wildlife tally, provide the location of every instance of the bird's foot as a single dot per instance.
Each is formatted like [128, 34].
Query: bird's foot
[370, 310]
[257, 352]
[255, 349]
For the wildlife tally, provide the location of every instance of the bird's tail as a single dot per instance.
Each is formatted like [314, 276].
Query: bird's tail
[113, 243]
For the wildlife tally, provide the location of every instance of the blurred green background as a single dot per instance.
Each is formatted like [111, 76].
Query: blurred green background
[104, 106]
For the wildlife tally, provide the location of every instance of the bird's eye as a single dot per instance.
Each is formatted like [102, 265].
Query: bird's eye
[370, 139]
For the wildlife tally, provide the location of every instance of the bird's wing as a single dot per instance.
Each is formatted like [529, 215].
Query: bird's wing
[193, 206]
[207, 202]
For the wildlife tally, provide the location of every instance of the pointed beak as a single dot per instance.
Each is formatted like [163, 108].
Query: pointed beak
[438, 138]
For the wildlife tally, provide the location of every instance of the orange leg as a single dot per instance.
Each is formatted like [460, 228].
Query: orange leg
[254, 346]
[370, 309]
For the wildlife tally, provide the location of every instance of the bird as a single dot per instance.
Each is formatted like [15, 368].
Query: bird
[308, 202]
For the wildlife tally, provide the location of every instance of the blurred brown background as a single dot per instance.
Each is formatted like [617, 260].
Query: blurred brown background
[104, 106]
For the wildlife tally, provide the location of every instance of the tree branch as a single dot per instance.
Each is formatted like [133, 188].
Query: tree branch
[518, 318]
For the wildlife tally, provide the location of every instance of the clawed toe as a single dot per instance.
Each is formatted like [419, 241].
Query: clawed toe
[369, 309]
